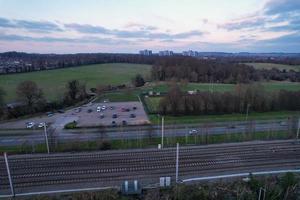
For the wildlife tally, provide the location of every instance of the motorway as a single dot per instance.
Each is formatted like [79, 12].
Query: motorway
[18, 137]
[40, 172]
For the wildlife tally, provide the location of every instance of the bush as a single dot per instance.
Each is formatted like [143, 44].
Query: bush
[71, 125]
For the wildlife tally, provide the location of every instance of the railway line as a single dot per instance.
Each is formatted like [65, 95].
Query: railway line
[55, 171]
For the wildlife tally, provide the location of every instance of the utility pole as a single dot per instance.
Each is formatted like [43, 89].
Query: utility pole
[46, 137]
[177, 162]
[247, 113]
[9, 175]
[162, 131]
[298, 130]
[260, 191]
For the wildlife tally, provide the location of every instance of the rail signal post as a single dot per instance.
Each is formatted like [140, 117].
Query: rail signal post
[9, 175]
[46, 138]
[177, 162]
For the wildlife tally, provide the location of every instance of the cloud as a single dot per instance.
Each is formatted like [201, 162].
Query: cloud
[97, 40]
[145, 32]
[273, 7]
[40, 26]
[86, 28]
[270, 18]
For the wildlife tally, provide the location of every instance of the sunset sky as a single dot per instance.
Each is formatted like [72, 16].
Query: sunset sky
[72, 26]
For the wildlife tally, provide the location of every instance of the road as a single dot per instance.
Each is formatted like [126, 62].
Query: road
[18, 137]
[40, 172]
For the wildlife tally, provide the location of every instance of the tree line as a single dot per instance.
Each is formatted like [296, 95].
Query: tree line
[218, 71]
[32, 100]
[252, 97]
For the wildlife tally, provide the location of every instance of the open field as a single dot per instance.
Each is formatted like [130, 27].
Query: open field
[223, 118]
[53, 81]
[131, 95]
[272, 65]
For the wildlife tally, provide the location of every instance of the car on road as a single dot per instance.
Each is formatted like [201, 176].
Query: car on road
[283, 124]
[30, 125]
[193, 132]
[231, 126]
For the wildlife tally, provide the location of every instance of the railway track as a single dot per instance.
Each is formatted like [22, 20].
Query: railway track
[30, 172]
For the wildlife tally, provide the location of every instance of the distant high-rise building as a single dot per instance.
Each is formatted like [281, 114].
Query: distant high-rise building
[190, 53]
[146, 52]
[166, 53]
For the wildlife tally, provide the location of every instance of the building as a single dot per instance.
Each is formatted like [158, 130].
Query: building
[166, 53]
[146, 52]
[191, 53]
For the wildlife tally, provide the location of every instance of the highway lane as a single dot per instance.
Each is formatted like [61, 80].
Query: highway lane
[40, 172]
[37, 136]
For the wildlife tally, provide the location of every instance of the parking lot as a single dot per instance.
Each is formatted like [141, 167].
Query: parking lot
[111, 114]
[89, 115]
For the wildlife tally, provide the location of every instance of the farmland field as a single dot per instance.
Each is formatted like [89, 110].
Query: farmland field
[272, 65]
[53, 81]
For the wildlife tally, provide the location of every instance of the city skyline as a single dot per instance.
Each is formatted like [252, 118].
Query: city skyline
[129, 26]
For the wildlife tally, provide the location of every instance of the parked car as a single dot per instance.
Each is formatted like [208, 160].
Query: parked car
[89, 110]
[98, 109]
[114, 116]
[193, 132]
[134, 108]
[42, 124]
[49, 114]
[132, 115]
[101, 116]
[124, 122]
[30, 125]
[231, 126]
[61, 111]
[114, 123]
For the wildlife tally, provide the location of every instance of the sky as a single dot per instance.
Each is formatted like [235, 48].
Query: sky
[127, 26]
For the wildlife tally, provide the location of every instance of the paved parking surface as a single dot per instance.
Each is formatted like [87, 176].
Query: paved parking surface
[124, 113]
[87, 116]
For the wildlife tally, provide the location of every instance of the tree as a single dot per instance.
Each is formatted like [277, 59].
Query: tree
[2, 93]
[138, 81]
[75, 91]
[29, 93]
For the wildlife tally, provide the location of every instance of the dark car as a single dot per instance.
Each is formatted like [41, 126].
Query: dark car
[124, 122]
[61, 111]
[115, 116]
[132, 115]
[114, 123]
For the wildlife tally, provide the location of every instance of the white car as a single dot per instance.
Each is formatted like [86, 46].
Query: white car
[41, 125]
[30, 125]
[192, 132]
[103, 107]
[98, 109]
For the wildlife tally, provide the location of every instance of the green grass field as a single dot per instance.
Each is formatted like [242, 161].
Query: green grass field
[224, 118]
[53, 81]
[272, 65]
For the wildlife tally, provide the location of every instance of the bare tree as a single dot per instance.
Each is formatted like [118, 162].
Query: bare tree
[30, 93]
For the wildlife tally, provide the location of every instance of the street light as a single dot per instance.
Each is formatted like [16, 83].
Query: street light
[46, 137]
